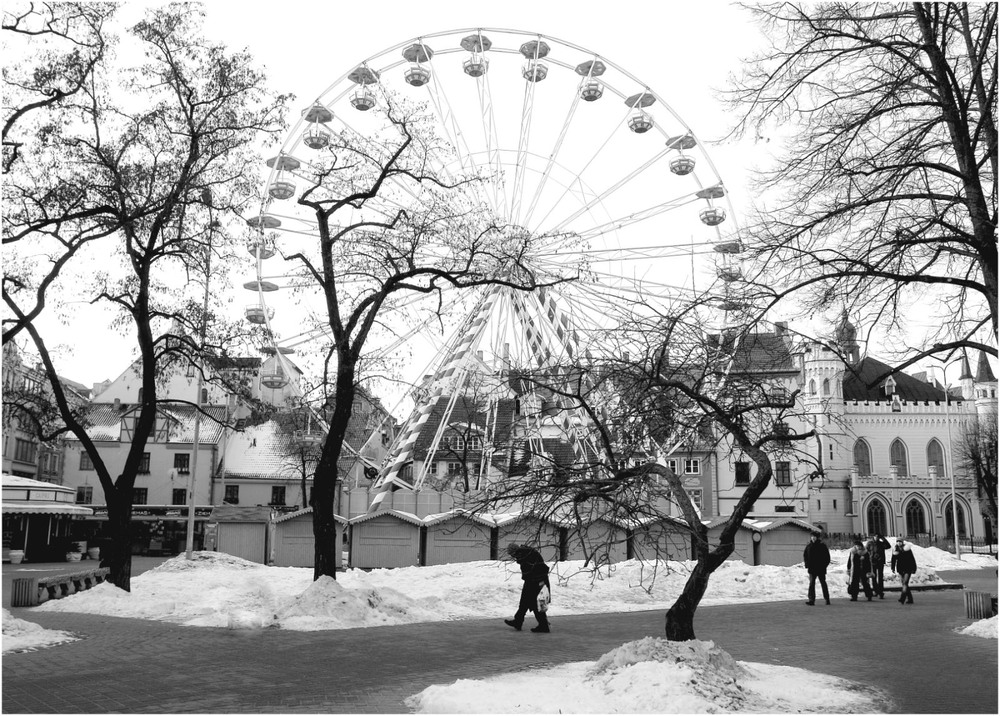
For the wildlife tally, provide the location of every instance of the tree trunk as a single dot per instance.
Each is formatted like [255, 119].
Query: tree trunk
[680, 616]
[117, 552]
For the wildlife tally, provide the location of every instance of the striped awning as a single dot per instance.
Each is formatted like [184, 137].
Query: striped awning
[45, 508]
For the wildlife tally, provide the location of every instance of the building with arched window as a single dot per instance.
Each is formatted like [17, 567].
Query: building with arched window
[890, 444]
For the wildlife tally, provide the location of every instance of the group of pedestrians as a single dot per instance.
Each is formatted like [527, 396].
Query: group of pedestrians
[865, 568]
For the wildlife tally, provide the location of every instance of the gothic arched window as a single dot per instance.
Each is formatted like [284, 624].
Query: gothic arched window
[949, 529]
[897, 457]
[916, 518]
[812, 387]
[826, 386]
[875, 517]
[862, 458]
[935, 456]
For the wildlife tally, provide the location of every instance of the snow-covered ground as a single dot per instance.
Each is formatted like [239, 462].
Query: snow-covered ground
[21, 635]
[654, 675]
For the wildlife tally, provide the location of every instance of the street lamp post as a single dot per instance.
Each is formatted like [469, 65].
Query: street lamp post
[949, 460]
[206, 198]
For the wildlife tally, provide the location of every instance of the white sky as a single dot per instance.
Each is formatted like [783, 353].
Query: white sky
[217, 590]
[682, 51]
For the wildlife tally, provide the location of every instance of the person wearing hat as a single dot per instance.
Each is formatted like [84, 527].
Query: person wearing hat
[816, 557]
[859, 565]
[905, 563]
[535, 574]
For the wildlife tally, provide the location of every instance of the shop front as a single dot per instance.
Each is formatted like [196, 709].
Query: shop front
[156, 529]
[38, 520]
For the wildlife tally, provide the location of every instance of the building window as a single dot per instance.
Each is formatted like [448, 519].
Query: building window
[140, 496]
[876, 518]
[819, 505]
[432, 469]
[783, 474]
[916, 520]
[949, 529]
[85, 461]
[474, 443]
[784, 508]
[835, 505]
[862, 458]
[812, 387]
[182, 463]
[897, 457]
[277, 495]
[456, 468]
[692, 466]
[695, 496]
[179, 496]
[144, 464]
[25, 450]
[204, 396]
[672, 465]
[742, 473]
[935, 457]
[233, 495]
[826, 386]
[84, 495]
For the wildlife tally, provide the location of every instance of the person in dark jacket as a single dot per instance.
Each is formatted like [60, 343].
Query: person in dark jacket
[535, 574]
[905, 563]
[816, 556]
[876, 547]
[859, 567]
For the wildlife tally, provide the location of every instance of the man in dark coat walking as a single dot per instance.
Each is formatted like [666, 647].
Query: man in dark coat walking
[859, 567]
[817, 558]
[876, 547]
[535, 574]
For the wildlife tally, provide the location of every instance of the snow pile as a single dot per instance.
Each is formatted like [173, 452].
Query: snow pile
[219, 590]
[985, 628]
[654, 675]
[19, 635]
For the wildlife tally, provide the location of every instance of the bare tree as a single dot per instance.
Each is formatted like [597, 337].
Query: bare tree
[407, 228]
[884, 190]
[119, 196]
[672, 387]
[976, 452]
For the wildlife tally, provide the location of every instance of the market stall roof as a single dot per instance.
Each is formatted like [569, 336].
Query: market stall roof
[45, 508]
[23, 495]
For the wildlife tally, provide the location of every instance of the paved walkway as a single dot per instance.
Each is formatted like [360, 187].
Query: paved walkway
[134, 666]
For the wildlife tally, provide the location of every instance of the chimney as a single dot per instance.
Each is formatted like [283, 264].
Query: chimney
[780, 328]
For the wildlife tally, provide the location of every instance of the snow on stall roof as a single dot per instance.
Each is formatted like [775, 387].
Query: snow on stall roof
[398, 514]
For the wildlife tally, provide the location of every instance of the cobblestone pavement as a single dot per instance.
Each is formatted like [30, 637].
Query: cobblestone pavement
[133, 666]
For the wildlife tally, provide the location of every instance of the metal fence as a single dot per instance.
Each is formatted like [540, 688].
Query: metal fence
[967, 545]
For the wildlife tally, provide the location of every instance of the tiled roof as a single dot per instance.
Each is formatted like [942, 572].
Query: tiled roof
[860, 376]
[756, 352]
[104, 421]
[259, 452]
[984, 373]
[465, 412]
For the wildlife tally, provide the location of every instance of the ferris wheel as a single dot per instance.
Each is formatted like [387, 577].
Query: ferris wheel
[575, 153]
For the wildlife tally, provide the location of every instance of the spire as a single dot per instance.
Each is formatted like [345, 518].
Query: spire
[984, 374]
[966, 370]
